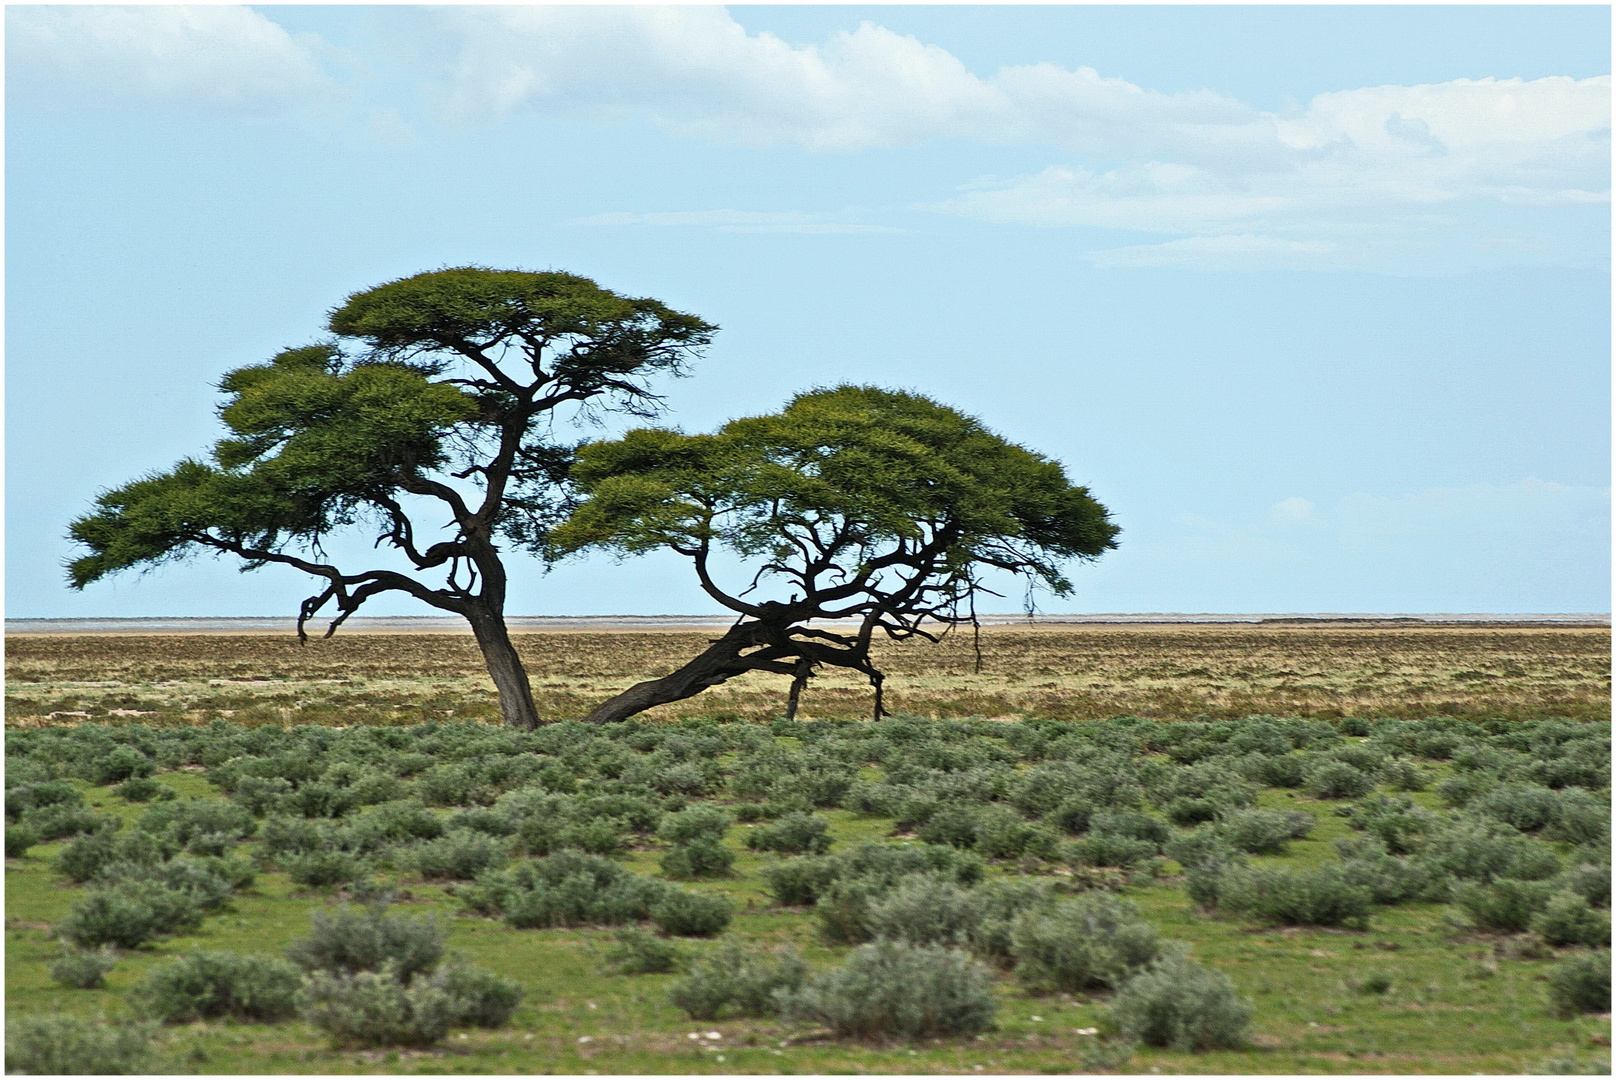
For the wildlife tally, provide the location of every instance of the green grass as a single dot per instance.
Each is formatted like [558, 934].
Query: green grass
[1450, 1007]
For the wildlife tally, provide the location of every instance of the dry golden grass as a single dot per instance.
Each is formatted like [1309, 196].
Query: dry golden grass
[1164, 671]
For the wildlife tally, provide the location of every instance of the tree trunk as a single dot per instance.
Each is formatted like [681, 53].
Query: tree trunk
[505, 668]
[721, 662]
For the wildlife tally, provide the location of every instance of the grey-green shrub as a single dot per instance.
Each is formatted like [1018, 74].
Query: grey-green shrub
[738, 980]
[139, 789]
[702, 857]
[206, 985]
[459, 855]
[1264, 832]
[793, 834]
[61, 1045]
[1581, 983]
[923, 909]
[375, 1008]
[84, 969]
[1180, 1004]
[639, 952]
[129, 916]
[1099, 849]
[1505, 904]
[1323, 897]
[695, 822]
[996, 905]
[1568, 920]
[1580, 817]
[891, 988]
[477, 998]
[346, 941]
[1339, 780]
[321, 869]
[19, 838]
[690, 914]
[1591, 881]
[1093, 941]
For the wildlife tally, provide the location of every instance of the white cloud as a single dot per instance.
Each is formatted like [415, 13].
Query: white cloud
[740, 221]
[1413, 178]
[198, 55]
[1293, 511]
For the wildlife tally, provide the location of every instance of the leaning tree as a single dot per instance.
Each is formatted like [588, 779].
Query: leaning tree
[434, 402]
[871, 509]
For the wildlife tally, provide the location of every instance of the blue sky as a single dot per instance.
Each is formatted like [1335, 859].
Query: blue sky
[1315, 299]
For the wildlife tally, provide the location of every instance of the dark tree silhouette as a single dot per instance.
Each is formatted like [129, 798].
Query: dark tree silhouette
[854, 503]
[443, 408]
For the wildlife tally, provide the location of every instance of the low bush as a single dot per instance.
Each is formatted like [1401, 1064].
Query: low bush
[1591, 881]
[1094, 941]
[84, 969]
[793, 834]
[62, 820]
[1264, 832]
[891, 988]
[694, 823]
[207, 985]
[1338, 780]
[639, 952]
[1581, 984]
[995, 906]
[923, 909]
[1524, 807]
[1505, 905]
[1110, 850]
[460, 855]
[138, 789]
[61, 1045]
[129, 916]
[322, 869]
[19, 838]
[376, 1008]
[477, 998]
[346, 941]
[735, 980]
[569, 888]
[1180, 1004]
[702, 857]
[1281, 896]
[690, 914]
[1580, 817]
[1567, 919]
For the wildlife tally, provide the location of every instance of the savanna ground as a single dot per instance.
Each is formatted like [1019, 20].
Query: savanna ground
[1455, 1003]
[1161, 672]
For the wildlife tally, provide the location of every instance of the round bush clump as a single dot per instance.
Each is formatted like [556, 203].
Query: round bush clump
[1581, 984]
[1095, 940]
[1568, 920]
[891, 988]
[1338, 780]
[205, 985]
[1180, 1004]
[689, 914]
[60, 1045]
[84, 969]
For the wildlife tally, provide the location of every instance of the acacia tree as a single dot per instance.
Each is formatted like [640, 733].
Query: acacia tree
[854, 503]
[435, 397]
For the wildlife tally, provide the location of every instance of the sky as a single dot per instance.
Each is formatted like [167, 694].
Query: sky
[1316, 300]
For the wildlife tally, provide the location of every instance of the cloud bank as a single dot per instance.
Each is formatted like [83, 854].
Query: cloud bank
[199, 55]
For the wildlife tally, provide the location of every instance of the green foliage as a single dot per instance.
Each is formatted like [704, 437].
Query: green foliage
[1094, 941]
[690, 914]
[138, 789]
[702, 857]
[324, 868]
[738, 980]
[84, 969]
[1264, 832]
[1339, 780]
[1581, 983]
[478, 998]
[1272, 894]
[698, 822]
[793, 834]
[19, 838]
[128, 916]
[892, 988]
[63, 1045]
[1568, 920]
[1178, 1003]
[639, 952]
[458, 856]
[208, 985]
[1504, 904]
[347, 940]
[376, 1008]
[923, 909]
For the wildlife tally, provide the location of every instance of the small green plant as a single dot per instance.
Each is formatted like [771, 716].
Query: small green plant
[1505, 904]
[140, 789]
[61, 1045]
[323, 869]
[737, 980]
[1286, 897]
[19, 838]
[129, 916]
[1094, 941]
[1568, 920]
[793, 834]
[1376, 982]
[376, 1008]
[691, 914]
[478, 998]
[1581, 983]
[458, 856]
[639, 952]
[1178, 1003]
[207, 985]
[347, 941]
[1339, 780]
[892, 988]
[702, 857]
[923, 909]
[84, 969]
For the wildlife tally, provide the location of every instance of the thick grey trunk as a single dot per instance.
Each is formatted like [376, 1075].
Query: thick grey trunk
[721, 662]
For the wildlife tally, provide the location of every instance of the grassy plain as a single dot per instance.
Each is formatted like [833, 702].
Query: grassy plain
[1158, 671]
